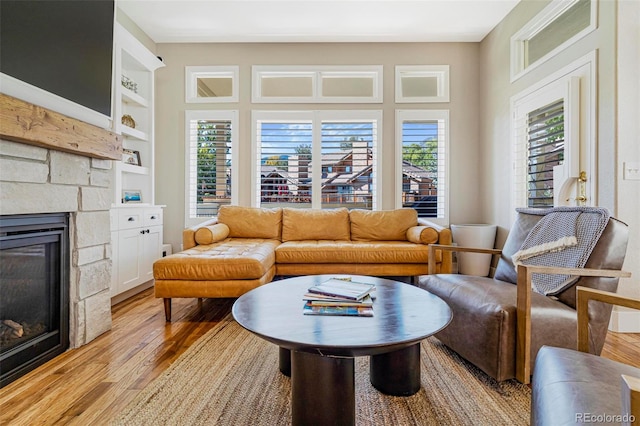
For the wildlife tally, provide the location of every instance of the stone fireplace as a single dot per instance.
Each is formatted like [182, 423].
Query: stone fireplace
[40, 180]
[52, 163]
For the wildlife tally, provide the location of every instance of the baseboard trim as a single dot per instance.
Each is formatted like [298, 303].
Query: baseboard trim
[624, 321]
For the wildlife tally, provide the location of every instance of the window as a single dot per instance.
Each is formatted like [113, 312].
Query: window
[211, 84]
[316, 159]
[545, 147]
[560, 24]
[422, 165]
[422, 83]
[317, 84]
[211, 138]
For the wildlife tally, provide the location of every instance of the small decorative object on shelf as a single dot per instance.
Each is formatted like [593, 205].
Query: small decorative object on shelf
[128, 121]
[132, 157]
[129, 84]
[131, 196]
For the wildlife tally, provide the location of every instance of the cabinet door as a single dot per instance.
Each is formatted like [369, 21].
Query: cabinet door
[129, 260]
[151, 251]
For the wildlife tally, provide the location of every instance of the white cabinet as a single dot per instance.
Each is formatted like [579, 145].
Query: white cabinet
[133, 117]
[136, 244]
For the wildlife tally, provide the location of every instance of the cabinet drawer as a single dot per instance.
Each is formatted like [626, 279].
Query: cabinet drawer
[152, 217]
[130, 218]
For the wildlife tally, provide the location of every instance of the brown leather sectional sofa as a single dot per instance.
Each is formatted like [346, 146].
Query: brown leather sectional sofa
[246, 247]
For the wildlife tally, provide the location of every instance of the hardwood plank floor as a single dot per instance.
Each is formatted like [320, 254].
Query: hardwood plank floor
[92, 384]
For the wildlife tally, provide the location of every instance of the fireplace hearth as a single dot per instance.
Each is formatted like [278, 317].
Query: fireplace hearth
[34, 291]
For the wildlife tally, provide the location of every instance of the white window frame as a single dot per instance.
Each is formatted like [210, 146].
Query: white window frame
[441, 72]
[443, 175]
[317, 73]
[191, 166]
[537, 24]
[316, 117]
[193, 73]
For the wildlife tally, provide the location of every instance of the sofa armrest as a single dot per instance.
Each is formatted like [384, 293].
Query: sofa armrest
[523, 308]
[444, 238]
[189, 234]
[450, 248]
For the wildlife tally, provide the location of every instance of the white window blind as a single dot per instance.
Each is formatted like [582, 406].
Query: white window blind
[348, 152]
[316, 159]
[545, 150]
[422, 173]
[285, 163]
[209, 162]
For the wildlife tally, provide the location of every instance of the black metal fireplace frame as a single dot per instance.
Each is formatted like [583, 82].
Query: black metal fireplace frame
[45, 347]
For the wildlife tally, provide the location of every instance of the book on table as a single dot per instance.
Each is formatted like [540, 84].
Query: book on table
[343, 289]
[321, 300]
[362, 311]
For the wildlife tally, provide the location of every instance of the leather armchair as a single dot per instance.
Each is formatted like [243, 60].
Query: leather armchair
[500, 324]
[572, 387]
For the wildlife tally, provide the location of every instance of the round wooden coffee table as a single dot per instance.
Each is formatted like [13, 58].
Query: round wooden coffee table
[318, 351]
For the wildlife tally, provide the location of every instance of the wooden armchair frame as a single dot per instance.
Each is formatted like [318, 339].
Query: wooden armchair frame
[630, 385]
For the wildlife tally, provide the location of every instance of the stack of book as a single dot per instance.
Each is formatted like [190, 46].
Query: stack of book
[339, 296]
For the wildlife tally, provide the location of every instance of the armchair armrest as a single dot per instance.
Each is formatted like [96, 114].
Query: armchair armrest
[630, 385]
[583, 295]
[523, 308]
[450, 248]
[631, 396]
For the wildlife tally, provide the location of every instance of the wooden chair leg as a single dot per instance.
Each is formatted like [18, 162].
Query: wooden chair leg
[167, 309]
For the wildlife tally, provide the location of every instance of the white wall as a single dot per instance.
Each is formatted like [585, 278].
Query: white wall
[170, 100]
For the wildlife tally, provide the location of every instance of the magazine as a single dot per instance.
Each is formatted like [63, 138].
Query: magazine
[350, 290]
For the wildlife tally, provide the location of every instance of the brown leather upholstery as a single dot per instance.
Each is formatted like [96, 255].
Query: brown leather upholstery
[484, 320]
[567, 383]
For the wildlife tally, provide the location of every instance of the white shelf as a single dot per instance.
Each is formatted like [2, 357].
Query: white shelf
[134, 133]
[131, 97]
[130, 168]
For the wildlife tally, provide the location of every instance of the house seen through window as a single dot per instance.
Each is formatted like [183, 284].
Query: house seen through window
[318, 162]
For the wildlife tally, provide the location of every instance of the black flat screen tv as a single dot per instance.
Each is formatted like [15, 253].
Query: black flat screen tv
[62, 47]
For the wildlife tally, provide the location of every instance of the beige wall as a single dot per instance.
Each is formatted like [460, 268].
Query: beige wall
[171, 106]
[618, 114]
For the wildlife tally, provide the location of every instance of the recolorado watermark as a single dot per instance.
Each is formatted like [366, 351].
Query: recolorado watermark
[604, 418]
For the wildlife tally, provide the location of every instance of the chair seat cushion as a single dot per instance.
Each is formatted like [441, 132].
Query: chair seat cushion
[232, 258]
[483, 328]
[331, 251]
[567, 383]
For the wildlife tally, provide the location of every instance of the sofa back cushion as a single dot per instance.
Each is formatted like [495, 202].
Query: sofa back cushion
[313, 224]
[385, 225]
[251, 222]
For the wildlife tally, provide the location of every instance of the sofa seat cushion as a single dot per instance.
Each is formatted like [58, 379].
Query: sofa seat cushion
[483, 328]
[567, 383]
[330, 251]
[232, 258]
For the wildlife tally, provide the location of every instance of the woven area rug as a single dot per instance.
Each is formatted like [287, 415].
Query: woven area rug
[231, 377]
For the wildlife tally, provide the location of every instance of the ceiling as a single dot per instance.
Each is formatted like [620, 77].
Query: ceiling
[187, 21]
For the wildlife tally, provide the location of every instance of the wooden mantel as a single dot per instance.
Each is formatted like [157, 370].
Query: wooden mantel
[21, 121]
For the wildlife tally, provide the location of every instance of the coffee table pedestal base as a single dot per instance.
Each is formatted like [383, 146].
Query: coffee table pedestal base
[396, 373]
[322, 389]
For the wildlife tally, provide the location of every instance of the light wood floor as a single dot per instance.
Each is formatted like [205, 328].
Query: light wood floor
[90, 385]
